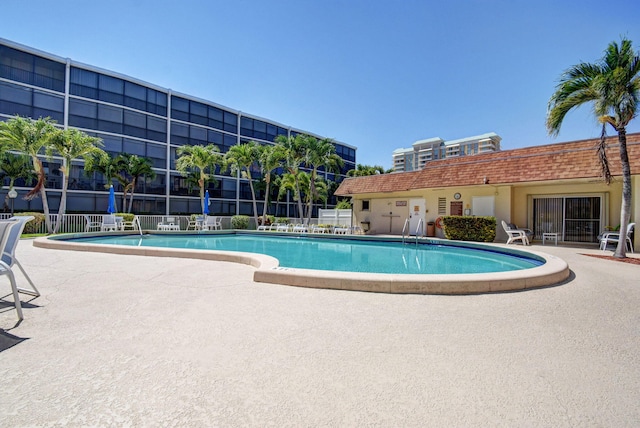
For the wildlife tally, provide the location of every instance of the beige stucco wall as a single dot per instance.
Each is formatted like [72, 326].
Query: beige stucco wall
[381, 204]
[512, 203]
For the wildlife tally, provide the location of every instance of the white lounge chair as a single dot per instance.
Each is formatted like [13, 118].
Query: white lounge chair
[5, 230]
[282, 227]
[614, 237]
[515, 234]
[300, 228]
[9, 252]
[340, 230]
[319, 229]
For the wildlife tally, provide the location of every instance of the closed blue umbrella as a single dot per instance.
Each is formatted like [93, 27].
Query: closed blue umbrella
[112, 201]
[205, 208]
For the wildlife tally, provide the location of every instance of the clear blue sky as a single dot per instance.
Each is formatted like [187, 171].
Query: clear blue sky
[378, 75]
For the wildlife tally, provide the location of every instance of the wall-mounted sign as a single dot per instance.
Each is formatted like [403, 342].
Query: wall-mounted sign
[401, 203]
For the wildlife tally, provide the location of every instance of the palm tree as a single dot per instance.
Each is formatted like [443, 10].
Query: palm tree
[72, 144]
[319, 153]
[364, 170]
[107, 165]
[293, 148]
[15, 166]
[240, 158]
[134, 167]
[271, 158]
[201, 159]
[613, 85]
[289, 182]
[30, 137]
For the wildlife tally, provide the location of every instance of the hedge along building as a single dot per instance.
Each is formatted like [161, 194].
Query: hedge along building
[554, 188]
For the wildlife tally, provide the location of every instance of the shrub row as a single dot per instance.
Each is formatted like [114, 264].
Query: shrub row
[468, 228]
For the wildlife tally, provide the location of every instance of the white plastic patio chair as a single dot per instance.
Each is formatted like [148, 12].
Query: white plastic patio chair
[9, 252]
[5, 230]
[340, 230]
[131, 225]
[614, 237]
[515, 234]
[318, 229]
[109, 222]
[300, 228]
[90, 224]
[195, 223]
[212, 223]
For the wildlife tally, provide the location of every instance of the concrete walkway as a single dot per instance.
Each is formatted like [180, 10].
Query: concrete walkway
[140, 341]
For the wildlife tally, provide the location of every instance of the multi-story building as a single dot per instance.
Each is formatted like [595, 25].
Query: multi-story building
[136, 117]
[423, 151]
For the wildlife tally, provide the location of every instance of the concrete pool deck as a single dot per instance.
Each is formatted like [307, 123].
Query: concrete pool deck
[125, 340]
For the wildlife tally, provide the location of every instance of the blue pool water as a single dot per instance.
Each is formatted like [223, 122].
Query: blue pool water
[340, 254]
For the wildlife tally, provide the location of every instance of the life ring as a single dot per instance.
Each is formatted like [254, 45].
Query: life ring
[439, 222]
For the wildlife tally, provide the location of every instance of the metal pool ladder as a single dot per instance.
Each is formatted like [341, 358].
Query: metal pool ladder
[405, 229]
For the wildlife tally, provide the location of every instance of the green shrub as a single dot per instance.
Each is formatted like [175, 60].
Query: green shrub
[125, 216]
[240, 222]
[467, 228]
[282, 220]
[35, 225]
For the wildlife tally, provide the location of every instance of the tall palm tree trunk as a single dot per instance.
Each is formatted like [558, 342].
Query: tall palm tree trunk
[63, 204]
[313, 194]
[133, 186]
[266, 201]
[43, 192]
[253, 201]
[625, 212]
[299, 196]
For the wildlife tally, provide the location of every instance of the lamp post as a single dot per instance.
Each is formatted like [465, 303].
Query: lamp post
[12, 195]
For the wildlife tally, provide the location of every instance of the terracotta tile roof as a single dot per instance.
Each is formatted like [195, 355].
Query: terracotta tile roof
[562, 161]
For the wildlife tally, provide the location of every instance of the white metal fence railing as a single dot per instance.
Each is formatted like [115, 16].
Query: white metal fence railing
[76, 223]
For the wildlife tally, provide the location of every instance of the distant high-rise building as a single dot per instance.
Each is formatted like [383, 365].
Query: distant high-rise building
[423, 151]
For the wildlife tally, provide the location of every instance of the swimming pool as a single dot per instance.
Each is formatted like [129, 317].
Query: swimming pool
[341, 254]
[545, 269]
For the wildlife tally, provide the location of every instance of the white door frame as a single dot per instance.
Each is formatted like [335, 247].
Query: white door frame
[417, 212]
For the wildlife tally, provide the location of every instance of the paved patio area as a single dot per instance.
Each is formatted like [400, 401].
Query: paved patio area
[143, 341]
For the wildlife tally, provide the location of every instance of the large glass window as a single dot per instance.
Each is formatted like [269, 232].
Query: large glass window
[89, 84]
[179, 133]
[216, 118]
[230, 122]
[83, 83]
[111, 89]
[15, 99]
[179, 108]
[31, 69]
[135, 96]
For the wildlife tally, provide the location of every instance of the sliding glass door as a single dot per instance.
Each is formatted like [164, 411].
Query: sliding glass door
[574, 218]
